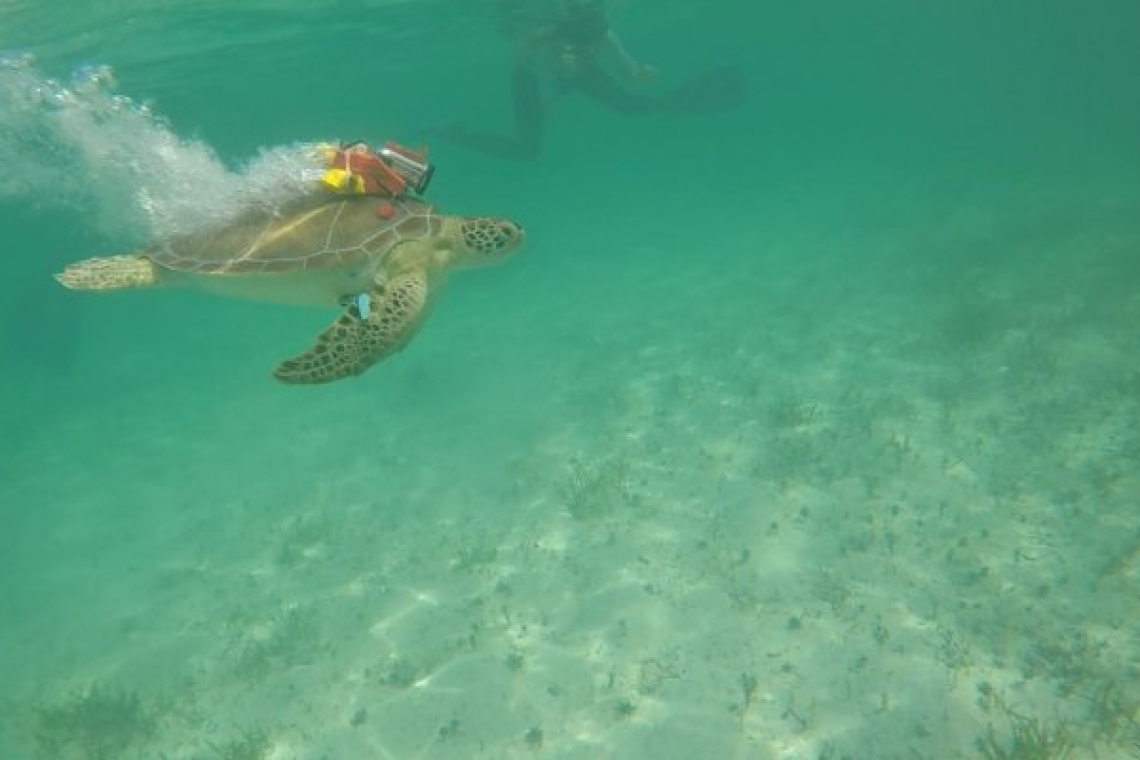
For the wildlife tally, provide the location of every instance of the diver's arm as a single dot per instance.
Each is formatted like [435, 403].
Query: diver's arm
[633, 67]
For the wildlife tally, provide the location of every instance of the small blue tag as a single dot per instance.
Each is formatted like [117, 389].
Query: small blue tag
[364, 306]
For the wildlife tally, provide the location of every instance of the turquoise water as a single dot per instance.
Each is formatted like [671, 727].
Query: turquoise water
[805, 429]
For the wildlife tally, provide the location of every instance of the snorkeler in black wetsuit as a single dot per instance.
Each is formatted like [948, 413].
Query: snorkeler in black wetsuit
[572, 50]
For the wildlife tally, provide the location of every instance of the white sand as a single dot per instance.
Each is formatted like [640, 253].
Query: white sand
[816, 516]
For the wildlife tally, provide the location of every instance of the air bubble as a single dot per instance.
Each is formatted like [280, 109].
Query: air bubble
[83, 146]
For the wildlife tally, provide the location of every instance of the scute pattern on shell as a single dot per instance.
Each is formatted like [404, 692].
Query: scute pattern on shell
[321, 233]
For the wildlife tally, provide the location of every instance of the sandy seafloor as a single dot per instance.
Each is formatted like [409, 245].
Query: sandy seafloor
[834, 459]
[770, 531]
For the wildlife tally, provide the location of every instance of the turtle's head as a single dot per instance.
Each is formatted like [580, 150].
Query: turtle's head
[481, 240]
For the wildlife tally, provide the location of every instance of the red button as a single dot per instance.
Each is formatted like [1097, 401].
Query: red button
[385, 211]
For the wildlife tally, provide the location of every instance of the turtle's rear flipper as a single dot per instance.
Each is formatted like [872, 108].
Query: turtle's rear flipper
[358, 340]
[109, 273]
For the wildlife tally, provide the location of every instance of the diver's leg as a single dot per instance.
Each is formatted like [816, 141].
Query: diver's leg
[529, 116]
[530, 111]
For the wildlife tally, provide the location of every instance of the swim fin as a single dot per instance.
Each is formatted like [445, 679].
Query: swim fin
[719, 89]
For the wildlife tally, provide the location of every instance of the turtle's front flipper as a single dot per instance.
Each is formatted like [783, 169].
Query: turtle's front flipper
[370, 330]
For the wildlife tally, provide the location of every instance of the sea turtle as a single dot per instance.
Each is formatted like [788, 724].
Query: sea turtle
[382, 259]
